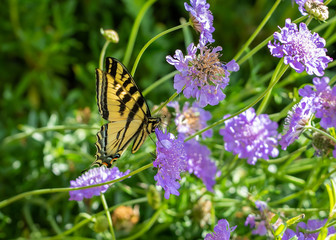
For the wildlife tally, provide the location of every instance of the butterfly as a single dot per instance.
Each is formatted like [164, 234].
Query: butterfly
[121, 103]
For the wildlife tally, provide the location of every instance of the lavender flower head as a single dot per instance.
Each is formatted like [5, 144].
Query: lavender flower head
[191, 119]
[296, 120]
[301, 49]
[324, 98]
[315, 8]
[202, 19]
[203, 75]
[312, 224]
[170, 162]
[251, 136]
[199, 163]
[91, 177]
[222, 231]
[250, 220]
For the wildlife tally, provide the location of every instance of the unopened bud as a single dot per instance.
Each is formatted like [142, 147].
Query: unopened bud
[317, 9]
[110, 35]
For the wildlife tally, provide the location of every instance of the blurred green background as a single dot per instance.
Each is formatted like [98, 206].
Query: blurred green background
[49, 52]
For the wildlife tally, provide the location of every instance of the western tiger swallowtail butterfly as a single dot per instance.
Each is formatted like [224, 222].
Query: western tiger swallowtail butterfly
[120, 102]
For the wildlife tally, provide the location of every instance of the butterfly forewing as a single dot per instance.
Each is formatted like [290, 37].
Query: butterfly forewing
[121, 103]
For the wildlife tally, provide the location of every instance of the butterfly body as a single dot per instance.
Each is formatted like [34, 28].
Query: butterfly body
[121, 103]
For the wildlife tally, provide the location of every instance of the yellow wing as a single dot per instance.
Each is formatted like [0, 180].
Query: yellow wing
[120, 101]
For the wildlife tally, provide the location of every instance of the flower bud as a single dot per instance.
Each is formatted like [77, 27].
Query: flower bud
[317, 9]
[110, 35]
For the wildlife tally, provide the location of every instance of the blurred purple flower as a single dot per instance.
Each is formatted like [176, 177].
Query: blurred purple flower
[296, 120]
[261, 205]
[203, 75]
[170, 162]
[91, 177]
[301, 49]
[324, 100]
[202, 19]
[261, 229]
[199, 163]
[222, 231]
[250, 220]
[312, 224]
[251, 136]
[191, 119]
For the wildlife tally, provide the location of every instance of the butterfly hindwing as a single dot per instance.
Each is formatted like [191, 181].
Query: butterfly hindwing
[120, 102]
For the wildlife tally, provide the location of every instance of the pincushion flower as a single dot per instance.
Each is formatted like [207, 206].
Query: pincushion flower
[312, 224]
[296, 120]
[191, 119]
[202, 19]
[251, 136]
[170, 162]
[315, 8]
[324, 100]
[199, 163]
[301, 49]
[222, 231]
[202, 74]
[91, 177]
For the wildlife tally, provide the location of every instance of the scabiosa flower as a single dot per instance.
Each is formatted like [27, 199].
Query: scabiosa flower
[301, 49]
[312, 224]
[191, 119]
[324, 99]
[170, 162]
[203, 75]
[222, 231]
[251, 136]
[91, 177]
[315, 8]
[199, 163]
[296, 120]
[201, 19]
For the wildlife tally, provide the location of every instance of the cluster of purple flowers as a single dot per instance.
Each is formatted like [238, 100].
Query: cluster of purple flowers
[260, 225]
[251, 136]
[301, 49]
[222, 231]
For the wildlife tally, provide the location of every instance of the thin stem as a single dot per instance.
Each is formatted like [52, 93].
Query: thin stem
[159, 82]
[54, 190]
[256, 32]
[29, 133]
[102, 55]
[134, 31]
[108, 215]
[321, 132]
[285, 199]
[165, 103]
[152, 40]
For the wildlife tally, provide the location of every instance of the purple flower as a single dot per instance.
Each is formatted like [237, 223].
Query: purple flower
[296, 120]
[316, 8]
[203, 75]
[170, 162]
[191, 119]
[222, 231]
[301, 49]
[202, 19]
[199, 163]
[324, 99]
[250, 220]
[261, 205]
[251, 136]
[312, 224]
[261, 229]
[91, 177]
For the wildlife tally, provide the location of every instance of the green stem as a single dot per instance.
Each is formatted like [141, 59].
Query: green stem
[29, 133]
[134, 31]
[321, 132]
[165, 103]
[159, 82]
[256, 32]
[284, 158]
[108, 215]
[151, 41]
[285, 199]
[239, 112]
[102, 55]
[147, 226]
[54, 190]
[279, 67]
